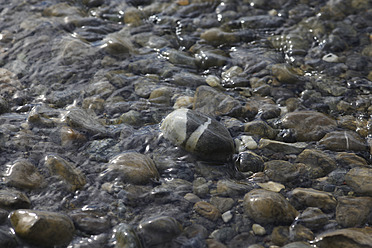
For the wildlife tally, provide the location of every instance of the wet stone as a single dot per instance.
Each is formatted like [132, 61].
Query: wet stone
[268, 207]
[260, 128]
[307, 197]
[360, 180]
[319, 162]
[23, 174]
[280, 235]
[282, 147]
[42, 228]
[198, 134]
[281, 171]
[353, 211]
[12, 199]
[132, 167]
[308, 125]
[215, 103]
[231, 188]
[313, 218]
[159, 230]
[126, 237]
[207, 210]
[349, 237]
[73, 177]
[343, 141]
[249, 161]
[90, 223]
[7, 239]
[223, 204]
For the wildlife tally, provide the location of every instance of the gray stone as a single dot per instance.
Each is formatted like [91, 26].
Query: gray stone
[126, 237]
[23, 174]
[13, 199]
[320, 163]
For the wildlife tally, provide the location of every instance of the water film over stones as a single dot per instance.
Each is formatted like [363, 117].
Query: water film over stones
[199, 134]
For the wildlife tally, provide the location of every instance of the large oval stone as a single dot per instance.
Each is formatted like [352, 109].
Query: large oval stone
[134, 168]
[199, 134]
[42, 228]
[266, 207]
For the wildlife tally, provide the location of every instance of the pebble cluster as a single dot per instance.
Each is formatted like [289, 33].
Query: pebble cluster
[185, 123]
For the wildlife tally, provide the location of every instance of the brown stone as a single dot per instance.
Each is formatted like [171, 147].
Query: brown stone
[207, 210]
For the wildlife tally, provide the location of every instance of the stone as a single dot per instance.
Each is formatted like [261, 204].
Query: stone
[192, 198]
[348, 237]
[353, 211]
[215, 103]
[301, 233]
[90, 223]
[7, 239]
[266, 207]
[133, 167]
[297, 244]
[280, 235]
[258, 230]
[159, 230]
[249, 161]
[13, 199]
[184, 102]
[307, 197]
[231, 188]
[248, 142]
[223, 204]
[350, 160]
[72, 176]
[313, 218]
[343, 141]
[308, 125]
[272, 186]
[23, 174]
[282, 147]
[198, 134]
[260, 128]
[281, 171]
[42, 228]
[284, 73]
[359, 179]
[216, 36]
[126, 237]
[227, 216]
[207, 210]
[319, 162]
[70, 136]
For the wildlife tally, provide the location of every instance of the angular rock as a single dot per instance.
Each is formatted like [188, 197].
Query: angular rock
[307, 197]
[198, 134]
[73, 177]
[360, 179]
[23, 174]
[133, 167]
[159, 230]
[42, 228]
[343, 141]
[215, 103]
[308, 125]
[266, 207]
[353, 211]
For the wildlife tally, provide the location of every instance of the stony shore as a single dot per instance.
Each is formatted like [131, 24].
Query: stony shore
[186, 123]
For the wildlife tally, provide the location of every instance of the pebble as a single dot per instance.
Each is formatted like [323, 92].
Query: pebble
[198, 134]
[348, 237]
[132, 167]
[282, 147]
[258, 230]
[281, 171]
[260, 128]
[227, 216]
[23, 174]
[359, 180]
[268, 207]
[313, 218]
[272, 186]
[42, 228]
[343, 141]
[320, 163]
[223, 204]
[207, 210]
[307, 197]
[248, 142]
[73, 177]
[90, 223]
[126, 237]
[249, 161]
[13, 199]
[358, 206]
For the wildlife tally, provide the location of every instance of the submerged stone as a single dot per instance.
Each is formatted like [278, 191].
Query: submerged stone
[198, 134]
[360, 180]
[343, 141]
[42, 228]
[13, 199]
[353, 211]
[349, 237]
[126, 237]
[307, 197]
[23, 174]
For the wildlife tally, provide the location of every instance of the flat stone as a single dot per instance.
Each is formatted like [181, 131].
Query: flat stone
[360, 180]
[23, 174]
[73, 177]
[307, 197]
[343, 141]
[282, 147]
[266, 207]
[353, 211]
[223, 204]
[272, 186]
[42, 228]
[308, 125]
[133, 167]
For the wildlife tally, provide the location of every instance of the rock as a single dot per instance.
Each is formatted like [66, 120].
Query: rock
[223, 204]
[23, 174]
[319, 162]
[260, 128]
[4, 106]
[360, 180]
[132, 117]
[133, 167]
[216, 36]
[297, 244]
[307, 197]
[350, 160]
[207, 210]
[184, 102]
[42, 228]
[349, 237]
[313, 218]
[198, 134]
[281, 171]
[272, 186]
[301, 233]
[118, 43]
[215, 103]
[231, 188]
[90, 223]
[7, 239]
[227, 216]
[266, 207]
[192, 198]
[126, 237]
[353, 211]
[308, 125]
[159, 230]
[79, 119]
[343, 141]
[285, 74]
[258, 230]
[249, 161]
[70, 136]
[12, 199]
[133, 16]
[73, 177]
[282, 147]
[248, 143]
[280, 235]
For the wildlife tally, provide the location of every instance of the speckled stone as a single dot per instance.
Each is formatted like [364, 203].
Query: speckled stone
[268, 207]
[42, 228]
